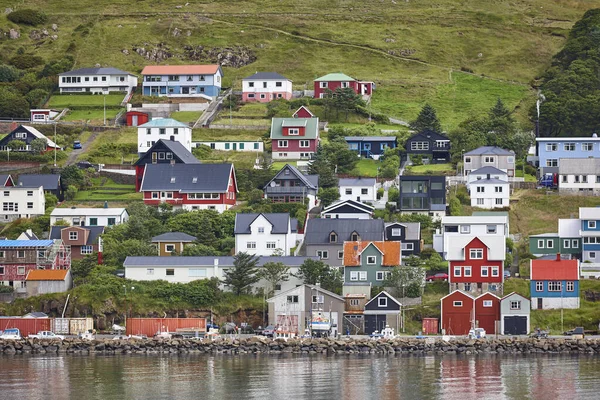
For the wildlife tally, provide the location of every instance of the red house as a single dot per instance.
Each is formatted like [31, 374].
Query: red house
[190, 186]
[294, 138]
[458, 313]
[487, 312]
[303, 112]
[476, 263]
[339, 80]
[136, 118]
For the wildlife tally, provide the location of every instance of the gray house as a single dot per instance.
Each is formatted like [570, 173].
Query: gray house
[290, 185]
[489, 156]
[45, 281]
[515, 313]
[325, 237]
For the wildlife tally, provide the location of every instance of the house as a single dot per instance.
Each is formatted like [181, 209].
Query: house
[489, 156]
[28, 234]
[325, 238]
[303, 112]
[44, 281]
[554, 284]
[382, 311]
[96, 80]
[26, 134]
[489, 188]
[294, 309]
[359, 189]
[50, 183]
[266, 86]
[371, 146]
[431, 147]
[172, 242]
[294, 138]
[83, 240]
[515, 311]
[354, 322]
[290, 185]
[265, 234]
[458, 313]
[476, 264]
[550, 151]
[162, 152]
[18, 257]
[185, 269]
[166, 129]
[423, 195]
[22, 202]
[567, 241]
[370, 261]
[234, 145]
[76, 216]
[487, 312]
[343, 81]
[190, 186]
[348, 209]
[182, 80]
[407, 233]
[579, 176]
[589, 227]
[42, 116]
[6, 180]
[136, 118]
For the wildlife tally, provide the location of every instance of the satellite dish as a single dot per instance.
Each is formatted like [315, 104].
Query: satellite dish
[273, 184]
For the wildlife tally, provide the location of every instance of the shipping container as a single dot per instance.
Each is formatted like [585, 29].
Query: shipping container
[27, 326]
[60, 326]
[430, 326]
[151, 326]
[80, 325]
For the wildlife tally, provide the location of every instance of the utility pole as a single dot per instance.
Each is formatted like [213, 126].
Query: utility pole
[104, 96]
[55, 143]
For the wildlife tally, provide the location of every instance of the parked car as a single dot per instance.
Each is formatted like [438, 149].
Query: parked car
[506, 274]
[76, 145]
[269, 331]
[440, 276]
[47, 335]
[11, 334]
[577, 331]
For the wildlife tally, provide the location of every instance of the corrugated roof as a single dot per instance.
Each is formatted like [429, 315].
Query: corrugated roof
[356, 182]
[391, 252]
[335, 77]
[67, 212]
[173, 236]
[164, 123]
[47, 181]
[579, 166]
[318, 230]
[484, 150]
[265, 76]
[40, 135]
[553, 270]
[206, 261]
[491, 181]
[94, 232]
[569, 228]
[97, 71]
[370, 138]
[311, 131]
[25, 243]
[488, 170]
[586, 213]
[278, 221]
[311, 181]
[496, 245]
[178, 150]
[187, 178]
[47, 275]
[181, 69]
[473, 219]
[312, 288]
[412, 229]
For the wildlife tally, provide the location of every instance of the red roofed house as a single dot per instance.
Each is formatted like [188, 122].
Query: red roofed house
[487, 312]
[43, 281]
[458, 313]
[369, 261]
[182, 80]
[339, 80]
[554, 283]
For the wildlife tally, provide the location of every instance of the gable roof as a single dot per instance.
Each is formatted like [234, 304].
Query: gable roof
[386, 294]
[487, 170]
[95, 232]
[79, 211]
[357, 205]
[173, 237]
[554, 270]
[491, 181]
[412, 229]
[28, 234]
[513, 294]
[47, 275]
[318, 229]
[429, 134]
[97, 71]
[278, 221]
[38, 135]
[391, 252]
[305, 109]
[187, 178]
[587, 166]
[496, 245]
[335, 77]
[311, 181]
[484, 150]
[311, 125]
[370, 138]
[312, 288]
[182, 69]
[207, 261]
[461, 293]
[4, 179]
[163, 123]
[266, 76]
[356, 181]
[176, 148]
[48, 181]
[484, 294]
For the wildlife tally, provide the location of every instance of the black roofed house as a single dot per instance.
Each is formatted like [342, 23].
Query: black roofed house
[348, 209]
[83, 240]
[266, 86]
[96, 80]
[162, 152]
[407, 233]
[171, 242]
[190, 186]
[265, 234]
[325, 237]
[26, 134]
[51, 183]
[433, 147]
[382, 311]
[291, 186]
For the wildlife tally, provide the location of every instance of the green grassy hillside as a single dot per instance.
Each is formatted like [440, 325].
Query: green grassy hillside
[413, 50]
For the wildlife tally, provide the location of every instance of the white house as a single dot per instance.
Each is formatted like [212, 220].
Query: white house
[202, 81]
[579, 176]
[96, 80]
[359, 189]
[265, 234]
[163, 128]
[42, 116]
[348, 209]
[22, 202]
[489, 188]
[266, 86]
[89, 216]
[234, 145]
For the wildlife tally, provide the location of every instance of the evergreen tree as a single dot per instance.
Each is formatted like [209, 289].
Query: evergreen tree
[274, 273]
[427, 120]
[243, 274]
[320, 165]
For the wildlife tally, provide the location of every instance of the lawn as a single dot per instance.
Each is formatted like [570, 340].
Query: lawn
[105, 189]
[248, 110]
[66, 100]
[95, 116]
[207, 134]
[225, 120]
[366, 167]
[112, 147]
[186, 116]
[277, 165]
[528, 178]
[431, 169]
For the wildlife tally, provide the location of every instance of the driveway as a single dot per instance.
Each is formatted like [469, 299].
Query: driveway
[75, 153]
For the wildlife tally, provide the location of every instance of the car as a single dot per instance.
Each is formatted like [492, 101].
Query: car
[440, 276]
[269, 331]
[577, 331]
[47, 335]
[77, 145]
[11, 334]
[506, 274]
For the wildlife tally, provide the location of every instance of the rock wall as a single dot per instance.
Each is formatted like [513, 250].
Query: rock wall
[261, 345]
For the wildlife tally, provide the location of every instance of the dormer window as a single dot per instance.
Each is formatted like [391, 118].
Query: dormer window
[294, 131]
[333, 237]
[286, 172]
[173, 179]
[354, 237]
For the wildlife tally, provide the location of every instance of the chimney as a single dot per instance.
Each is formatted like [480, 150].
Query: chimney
[557, 256]
[216, 262]
[106, 204]
[488, 176]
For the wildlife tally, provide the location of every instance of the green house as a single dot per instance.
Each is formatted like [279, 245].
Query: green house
[370, 262]
[551, 243]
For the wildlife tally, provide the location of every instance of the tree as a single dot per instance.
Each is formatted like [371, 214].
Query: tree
[274, 273]
[427, 120]
[340, 156]
[35, 97]
[72, 175]
[16, 144]
[243, 274]
[346, 100]
[312, 272]
[39, 145]
[407, 280]
[51, 200]
[199, 250]
[71, 192]
[8, 73]
[320, 165]
[328, 195]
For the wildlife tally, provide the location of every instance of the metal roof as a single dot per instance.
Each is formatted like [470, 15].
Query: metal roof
[579, 166]
[187, 178]
[335, 77]
[176, 148]
[485, 150]
[76, 212]
[47, 275]
[4, 178]
[311, 181]
[95, 231]
[174, 237]
[25, 243]
[487, 170]
[586, 213]
[491, 181]
[48, 181]
[206, 261]
[429, 134]
[318, 230]
[311, 131]
[278, 221]
[210, 69]
[351, 203]
[412, 229]
[266, 76]
[370, 138]
[356, 181]
[40, 135]
[569, 228]
[554, 270]
[97, 71]
[164, 123]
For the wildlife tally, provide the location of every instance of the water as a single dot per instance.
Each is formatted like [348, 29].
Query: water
[298, 377]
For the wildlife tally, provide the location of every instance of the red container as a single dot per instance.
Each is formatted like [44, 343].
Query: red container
[27, 326]
[430, 326]
[136, 118]
[151, 326]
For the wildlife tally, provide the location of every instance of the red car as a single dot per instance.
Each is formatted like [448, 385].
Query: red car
[437, 277]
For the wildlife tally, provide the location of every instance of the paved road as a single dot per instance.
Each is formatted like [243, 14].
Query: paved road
[75, 153]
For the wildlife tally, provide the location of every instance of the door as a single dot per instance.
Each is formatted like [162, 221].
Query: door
[374, 323]
[234, 146]
[515, 325]
[540, 302]
[134, 120]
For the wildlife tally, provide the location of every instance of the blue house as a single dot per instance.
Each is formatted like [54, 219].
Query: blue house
[549, 151]
[371, 146]
[589, 219]
[554, 284]
[182, 80]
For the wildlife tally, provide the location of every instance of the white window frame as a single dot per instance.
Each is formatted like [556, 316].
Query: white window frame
[515, 304]
[407, 246]
[86, 249]
[371, 260]
[293, 131]
[570, 286]
[73, 235]
[569, 146]
[169, 247]
[21, 270]
[261, 229]
[476, 254]
[591, 224]
[457, 271]
[485, 272]
[541, 244]
[567, 243]
[353, 275]
[539, 286]
[588, 146]
[396, 231]
[149, 271]
[551, 147]
[251, 245]
[457, 303]
[465, 229]
[323, 254]
[282, 143]
[488, 303]
[305, 144]
[467, 272]
[495, 271]
[362, 275]
[271, 245]
[381, 303]
[554, 286]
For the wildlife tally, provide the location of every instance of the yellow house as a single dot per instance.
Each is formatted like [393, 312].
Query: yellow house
[172, 242]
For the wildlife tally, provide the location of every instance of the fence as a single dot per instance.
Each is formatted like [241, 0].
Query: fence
[246, 127]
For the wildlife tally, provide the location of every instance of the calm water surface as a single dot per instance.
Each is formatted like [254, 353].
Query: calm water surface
[302, 377]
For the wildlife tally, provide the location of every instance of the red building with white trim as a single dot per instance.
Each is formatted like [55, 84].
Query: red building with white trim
[487, 312]
[458, 313]
[338, 80]
[294, 138]
[303, 112]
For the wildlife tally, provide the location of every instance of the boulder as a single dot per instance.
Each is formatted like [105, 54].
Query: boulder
[14, 34]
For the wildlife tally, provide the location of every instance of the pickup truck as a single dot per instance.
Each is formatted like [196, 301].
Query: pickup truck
[11, 334]
[47, 335]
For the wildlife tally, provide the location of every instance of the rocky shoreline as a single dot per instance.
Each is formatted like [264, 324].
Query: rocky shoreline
[259, 345]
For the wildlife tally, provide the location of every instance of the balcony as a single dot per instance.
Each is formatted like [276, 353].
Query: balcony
[286, 190]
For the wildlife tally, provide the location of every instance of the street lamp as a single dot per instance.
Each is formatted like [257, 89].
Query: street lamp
[125, 289]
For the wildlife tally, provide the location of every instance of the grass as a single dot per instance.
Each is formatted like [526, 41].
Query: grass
[277, 165]
[94, 151]
[366, 167]
[186, 116]
[93, 116]
[105, 189]
[249, 110]
[66, 100]
[224, 120]
[528, 177]
[207, 134]
[431, 169]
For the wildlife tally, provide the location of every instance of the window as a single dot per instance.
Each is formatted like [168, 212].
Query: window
[498, 202]
[332, 237]
[380, 275]
[322, 85]
[487, 303]
[476, 254]
[354, 302]
[498, 189]
[382, 302]
[495, 271]
[396, 232]
[491, 229]
[564, 178]
[587, 146]
[278, 84]
[354, 237]
[576, 178]
[488, 160]
[261, 229]
[324, 254]
[551, 146]
[93, 221]
[362, 275]
[112, 221]
[21, 254]
[570, 286]
[592, 224]
[305, 143]
[170, 272]
[467, 160]
[592, 255]
[539, 286]
[30, 193]
[1, 270]
[1, 254]
[465, 229]
[484, 271]
[371, 260]
[270, 245]
[575, 244]
[407, 246]
[515, 305]
[364, 191]
[87, 249]
[480, 189]
[292, 299]
[353, 275]
[569, 146]
[197, 272]
[541, 244]
[162, 131]
[457, 303]
[30, 205]
[457, 271]
[467, 271]
[419, 146]
[256, 146]
[226, 146]
[155, 195]
[169, 248]
[293, 131]
[480, 202]
[349, 191]
[251, 245]
[20, 270]
[549, 243]
[554, 286]
[103, 79]
[340, 255]
[552, 162]
[282, 143]
[73, 235]
[6, 193]
[175, 131]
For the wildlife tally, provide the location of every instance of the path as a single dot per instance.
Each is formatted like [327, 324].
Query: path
[75, 153]
[398, 122]
[208, 115]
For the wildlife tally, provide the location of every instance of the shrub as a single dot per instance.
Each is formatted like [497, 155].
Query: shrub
[393, 194]
[8, 73]
[455, 208]
[27, 16]
[35, 97]
[26, 61]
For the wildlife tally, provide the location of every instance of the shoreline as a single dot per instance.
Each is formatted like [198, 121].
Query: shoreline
[259, 345]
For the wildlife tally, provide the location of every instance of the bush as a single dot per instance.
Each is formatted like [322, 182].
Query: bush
[380, 192]
[393, 194]
[6, 289]
[26, 61]
[35, 97]
[454, 207]
[8, 73]
[530, 170]
[27, 16]
[202, 152]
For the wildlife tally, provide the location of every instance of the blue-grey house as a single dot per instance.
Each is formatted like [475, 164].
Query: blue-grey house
[549, 151]
[423, 194]
[433, 147]
[589, 229]
[371, 146]
[554, 284]
[182, 80]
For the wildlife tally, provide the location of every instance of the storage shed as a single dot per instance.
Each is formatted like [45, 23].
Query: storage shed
[487, 312]
[458, 313]
[380, 311]
[515, 311]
